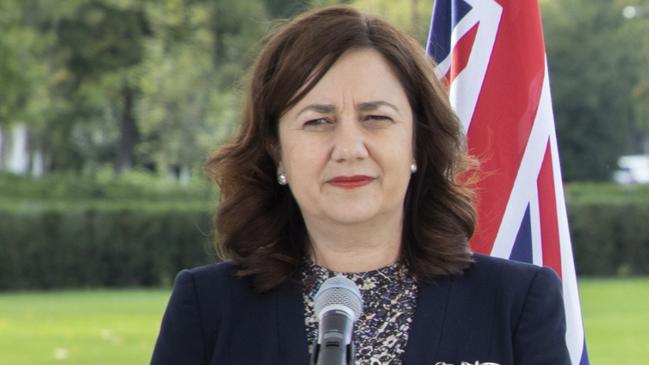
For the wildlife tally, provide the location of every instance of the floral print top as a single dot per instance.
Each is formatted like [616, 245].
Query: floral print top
[389, 296]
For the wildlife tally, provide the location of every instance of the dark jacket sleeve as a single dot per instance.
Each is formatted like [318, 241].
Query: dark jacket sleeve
[181, 339]
[540, 336]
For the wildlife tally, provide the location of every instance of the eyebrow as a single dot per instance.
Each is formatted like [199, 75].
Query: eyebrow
[364, 107]
[319, 108]
[373, 105]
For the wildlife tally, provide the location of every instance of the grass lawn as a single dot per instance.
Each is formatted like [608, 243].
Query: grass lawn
[80, 327]
[119, 326]
[616, 319]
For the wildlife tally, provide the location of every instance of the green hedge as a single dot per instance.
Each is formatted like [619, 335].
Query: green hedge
[100, 244]
[131, 185]
[610, 239]
[130, 242]
[609, 227]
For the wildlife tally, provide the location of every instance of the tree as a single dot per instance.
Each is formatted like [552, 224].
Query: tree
[592, 71]
[411, 16]
[284, 8]
[636, 28]
[103, 40]
[26, 75]
[177, 81]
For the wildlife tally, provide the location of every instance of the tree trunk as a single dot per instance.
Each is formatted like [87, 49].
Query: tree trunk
[128, 131]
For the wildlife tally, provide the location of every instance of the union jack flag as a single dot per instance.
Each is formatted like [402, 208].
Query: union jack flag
[491, 53]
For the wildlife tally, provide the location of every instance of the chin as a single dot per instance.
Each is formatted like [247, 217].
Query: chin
[349, 215]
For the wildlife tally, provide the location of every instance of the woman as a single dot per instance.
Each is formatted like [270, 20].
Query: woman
[347, 161]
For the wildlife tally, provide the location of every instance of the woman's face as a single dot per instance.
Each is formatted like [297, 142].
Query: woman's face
[346, 147]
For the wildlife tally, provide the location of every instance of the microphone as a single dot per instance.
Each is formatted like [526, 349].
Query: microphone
[338, 304]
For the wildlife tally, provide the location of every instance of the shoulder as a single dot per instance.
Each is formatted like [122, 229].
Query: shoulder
[509, 273]
[222, 269]
[203, 297]
[507, 287]
[484, 263]
[203, 302]
[532, 300]
[201, 287]
[220, 272]
[520, 302]
[208, 282]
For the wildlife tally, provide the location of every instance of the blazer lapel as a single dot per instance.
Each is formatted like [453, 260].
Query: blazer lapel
[426, 331]
[291, 329]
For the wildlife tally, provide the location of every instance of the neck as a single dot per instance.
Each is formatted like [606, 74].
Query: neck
[355, 247]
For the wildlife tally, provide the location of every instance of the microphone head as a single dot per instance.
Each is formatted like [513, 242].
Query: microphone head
[339, 293]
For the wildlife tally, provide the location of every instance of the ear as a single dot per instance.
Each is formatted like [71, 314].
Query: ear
[274, 151]
[276, 154]
[414, 139]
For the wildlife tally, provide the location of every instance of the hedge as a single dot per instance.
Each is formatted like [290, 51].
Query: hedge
[58, 244]
[609, 226]
[104, 186]
[92, 245]
[610, 238]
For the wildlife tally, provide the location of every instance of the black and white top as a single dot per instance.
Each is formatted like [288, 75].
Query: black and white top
[389, 296]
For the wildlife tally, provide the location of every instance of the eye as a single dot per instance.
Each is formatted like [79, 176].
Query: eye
[378, 117]
[378, 120]
[317, 124]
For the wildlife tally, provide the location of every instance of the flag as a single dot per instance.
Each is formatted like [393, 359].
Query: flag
[491, 54]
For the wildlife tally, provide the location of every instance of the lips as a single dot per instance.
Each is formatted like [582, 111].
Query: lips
[351, 182]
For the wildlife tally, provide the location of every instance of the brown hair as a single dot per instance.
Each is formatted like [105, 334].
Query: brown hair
[258, 223]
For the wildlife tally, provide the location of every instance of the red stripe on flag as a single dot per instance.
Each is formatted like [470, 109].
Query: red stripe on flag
[550, 243]
[461, 53]
[505, 111]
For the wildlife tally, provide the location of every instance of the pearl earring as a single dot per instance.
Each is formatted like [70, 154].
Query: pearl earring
[413, 167]
[281, 179]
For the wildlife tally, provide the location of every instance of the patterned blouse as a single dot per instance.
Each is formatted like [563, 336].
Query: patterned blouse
[389, 297]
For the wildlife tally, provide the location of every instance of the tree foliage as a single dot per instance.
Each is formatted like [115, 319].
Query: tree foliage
[155, 84]
[595, 61]
[23, 74]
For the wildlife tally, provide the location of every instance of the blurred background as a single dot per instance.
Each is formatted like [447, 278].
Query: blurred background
[109, 108]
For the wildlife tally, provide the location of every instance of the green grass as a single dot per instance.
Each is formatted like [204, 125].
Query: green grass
[80, 327]
[119, 326]
[616, 319]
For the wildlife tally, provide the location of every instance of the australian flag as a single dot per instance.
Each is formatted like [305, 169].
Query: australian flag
[491, 54]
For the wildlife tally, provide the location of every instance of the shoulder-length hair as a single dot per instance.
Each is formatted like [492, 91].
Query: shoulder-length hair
[258, 223]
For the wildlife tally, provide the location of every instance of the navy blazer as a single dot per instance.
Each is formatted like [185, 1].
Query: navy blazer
[498, 311]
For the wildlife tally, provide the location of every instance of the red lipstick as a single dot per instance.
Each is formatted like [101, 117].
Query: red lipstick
[351, 182]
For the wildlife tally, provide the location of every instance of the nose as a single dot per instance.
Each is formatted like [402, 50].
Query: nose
[349, 141]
